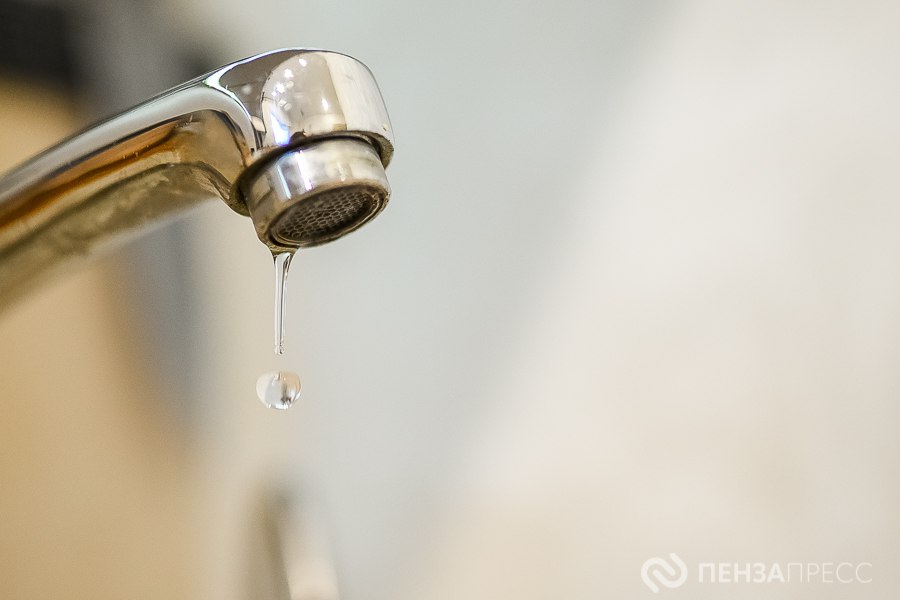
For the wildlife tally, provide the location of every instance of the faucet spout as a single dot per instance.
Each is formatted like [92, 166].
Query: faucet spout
[296, 139]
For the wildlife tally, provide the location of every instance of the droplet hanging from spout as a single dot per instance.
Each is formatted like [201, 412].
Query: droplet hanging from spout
[282, 265]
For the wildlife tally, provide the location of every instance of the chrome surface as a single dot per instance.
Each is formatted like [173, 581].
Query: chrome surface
[314, 180]
[236, 129]
[292, 554]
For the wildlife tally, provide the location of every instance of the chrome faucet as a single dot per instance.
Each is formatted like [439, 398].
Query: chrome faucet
[296, 139]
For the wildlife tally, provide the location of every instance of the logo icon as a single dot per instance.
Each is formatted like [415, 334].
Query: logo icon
[658, 571]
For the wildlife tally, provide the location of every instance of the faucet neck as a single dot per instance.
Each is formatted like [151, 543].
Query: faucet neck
[186, 146]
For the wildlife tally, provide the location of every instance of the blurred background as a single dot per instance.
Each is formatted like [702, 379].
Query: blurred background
[637, 292]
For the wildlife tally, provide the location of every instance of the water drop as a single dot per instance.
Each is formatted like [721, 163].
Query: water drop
[282, 263]
[278, 389]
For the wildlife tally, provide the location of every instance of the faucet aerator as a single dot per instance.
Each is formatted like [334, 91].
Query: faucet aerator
[316, 193]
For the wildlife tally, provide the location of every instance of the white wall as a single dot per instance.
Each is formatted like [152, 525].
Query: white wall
[637, 292]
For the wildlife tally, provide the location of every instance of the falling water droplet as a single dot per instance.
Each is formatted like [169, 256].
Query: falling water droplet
[278, 389]
[282, 263]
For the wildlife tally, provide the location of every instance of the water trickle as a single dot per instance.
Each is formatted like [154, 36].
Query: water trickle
[282, 264]
[278, 389]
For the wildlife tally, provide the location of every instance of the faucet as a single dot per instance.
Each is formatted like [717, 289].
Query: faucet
[296, 139]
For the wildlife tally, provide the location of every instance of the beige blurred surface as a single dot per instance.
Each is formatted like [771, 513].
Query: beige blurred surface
[94, 498]
[713, 370]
